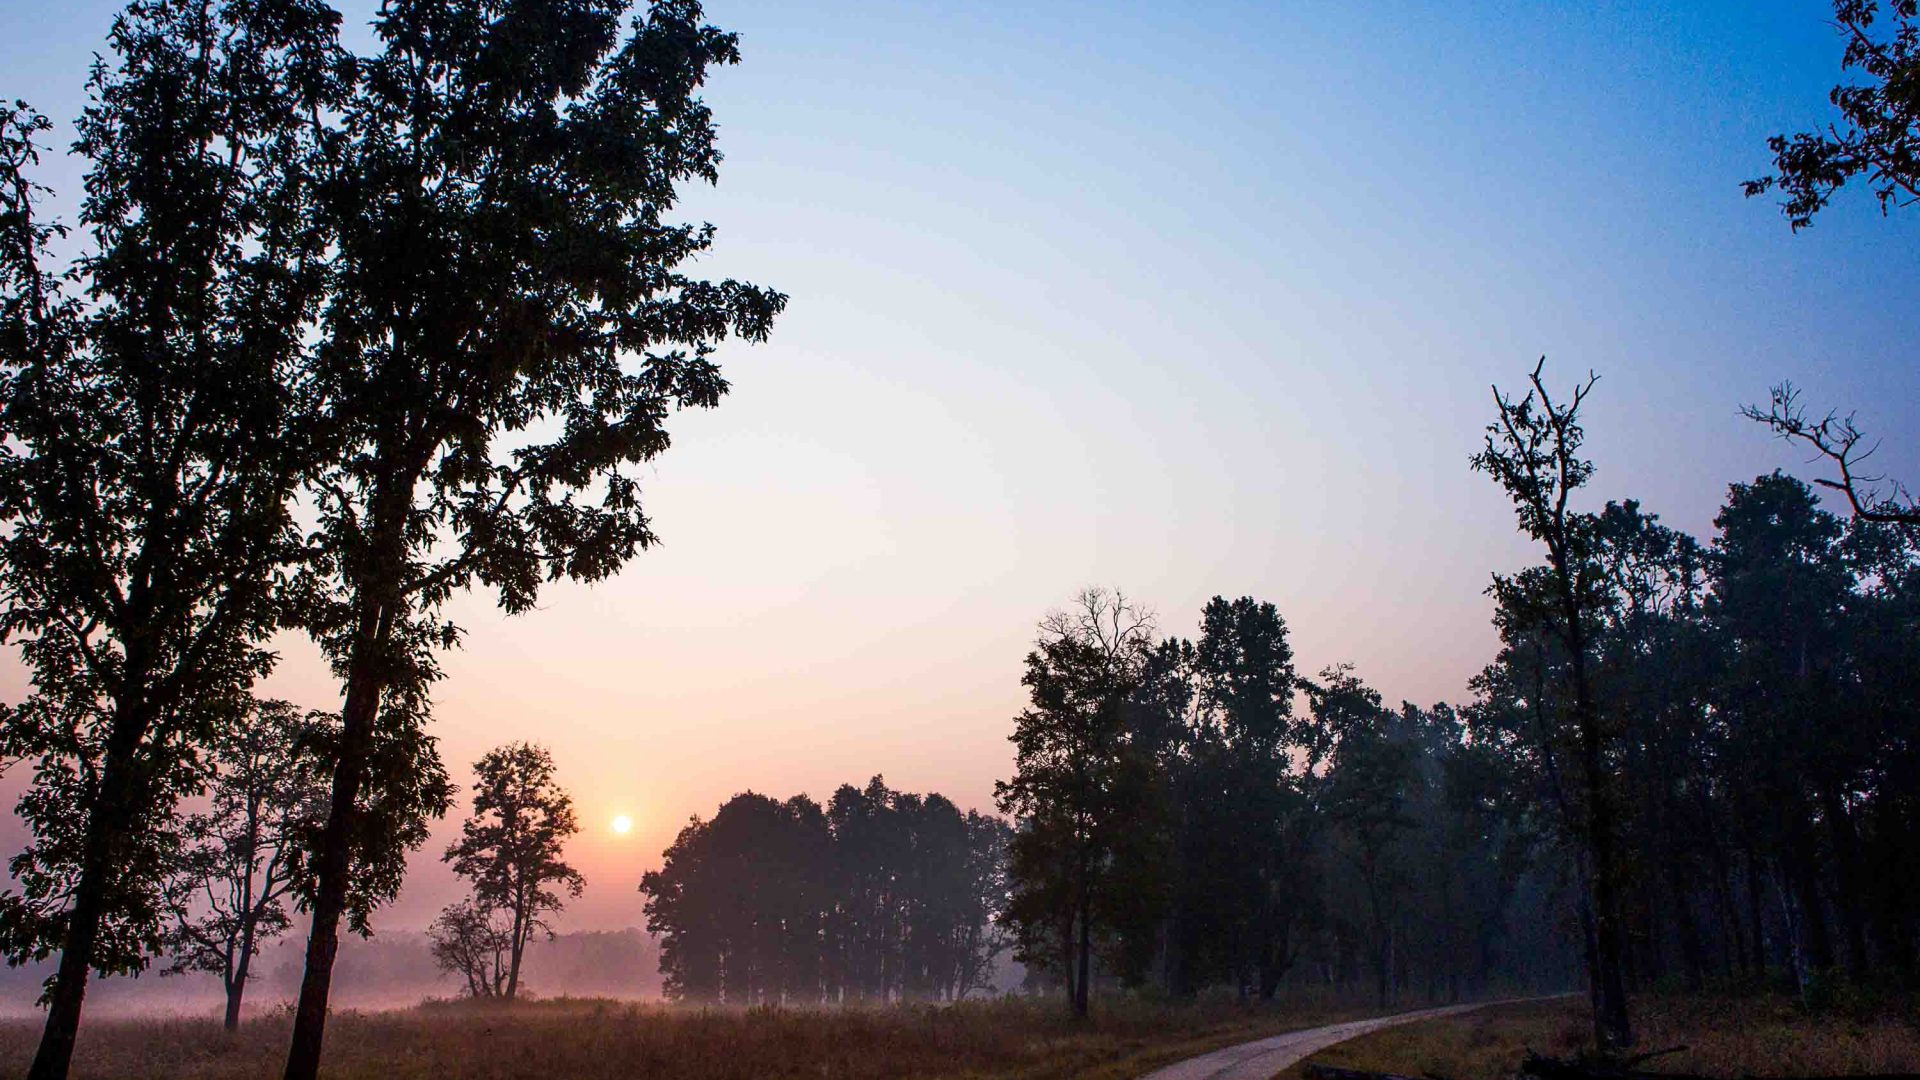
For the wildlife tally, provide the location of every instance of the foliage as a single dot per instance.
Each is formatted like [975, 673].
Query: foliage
[228, 894]
[1877, 138]
[510, 847]
[475, 941]
[1262, 845]
[152, 439]
[507, 331]
[881, 896]
[1082, 790]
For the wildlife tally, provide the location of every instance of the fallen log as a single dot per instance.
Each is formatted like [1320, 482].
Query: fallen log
[1332, 1072]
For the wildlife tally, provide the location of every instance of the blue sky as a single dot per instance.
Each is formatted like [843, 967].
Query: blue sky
[1185, 298]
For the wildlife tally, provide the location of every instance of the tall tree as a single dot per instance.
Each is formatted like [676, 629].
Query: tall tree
[1780, 593]
[147, 412]
[229, 892]
[510, 847]
[1081, 791]
[507, 333]
[1533, 451]
[1366, 796]
[1244, 680]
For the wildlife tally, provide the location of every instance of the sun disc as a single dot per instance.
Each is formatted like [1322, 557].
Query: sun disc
[622, 824]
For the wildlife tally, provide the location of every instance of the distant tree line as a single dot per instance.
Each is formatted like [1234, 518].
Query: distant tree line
[1689, 761]
[1196, 813]
[881, 895]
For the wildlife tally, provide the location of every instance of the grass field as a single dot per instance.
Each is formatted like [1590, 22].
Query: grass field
[1732, 1037]
[591, 1040]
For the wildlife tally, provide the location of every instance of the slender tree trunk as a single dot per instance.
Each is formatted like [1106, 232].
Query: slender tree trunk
[1381, 958]
[1084, 961]
[1850, 895]
[237, 982]
[1612, 1030]
[1804, 879]
[357, 716]
[1589, 940]
[1689, 932]
[1754, 914]
[106, 826]
[520, 929]
[1729, 914]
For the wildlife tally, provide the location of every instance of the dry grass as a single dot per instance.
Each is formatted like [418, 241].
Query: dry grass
[589, 1040]
[1731, 1037]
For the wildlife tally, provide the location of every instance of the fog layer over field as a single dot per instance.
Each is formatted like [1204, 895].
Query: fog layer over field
[389, 970]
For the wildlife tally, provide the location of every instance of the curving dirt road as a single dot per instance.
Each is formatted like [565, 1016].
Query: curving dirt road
[1260, 1059]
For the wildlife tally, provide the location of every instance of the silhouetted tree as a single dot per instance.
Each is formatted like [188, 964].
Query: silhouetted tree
[884, 895]
[229, 891]
[740, 903]
[1876, 139]
[1368, 788]
[1533, 452]
[1779, 596]
[1846, 449]
[510, 847]
[1081, 792]
[1878, 134]
[147, 411]
[506, 332]
[1244, 680]
[474, 940]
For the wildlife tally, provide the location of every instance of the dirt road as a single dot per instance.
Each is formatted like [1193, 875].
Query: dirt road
[1260, 1059]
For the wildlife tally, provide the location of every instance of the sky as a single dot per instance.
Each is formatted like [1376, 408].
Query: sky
[1187, 299]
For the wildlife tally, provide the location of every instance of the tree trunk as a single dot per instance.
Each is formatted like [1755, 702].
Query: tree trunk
[236, 990]
[1084, 961]
[1850, 895]
[1381, 958]
[357, 717]
[1755, 913]
[1689, 931]
[1612, 1031]
[237, 984]
[1589, 943]
[520, 929]
[111, 818]
[55, 1055]
[1805, 882]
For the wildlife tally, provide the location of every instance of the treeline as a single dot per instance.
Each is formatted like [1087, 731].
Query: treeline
[881, 895]
[1196, 813]
[1688, 761]
[1757, 701]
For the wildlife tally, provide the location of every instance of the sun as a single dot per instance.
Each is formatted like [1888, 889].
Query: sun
[622, 824]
